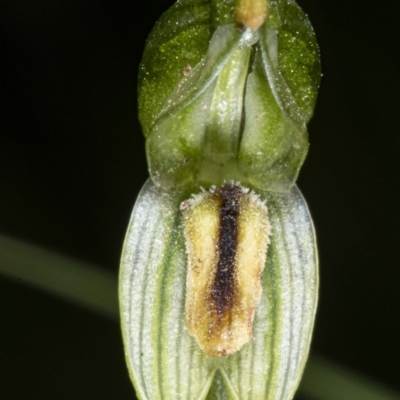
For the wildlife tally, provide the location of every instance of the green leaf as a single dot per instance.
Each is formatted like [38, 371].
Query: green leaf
[163, 360]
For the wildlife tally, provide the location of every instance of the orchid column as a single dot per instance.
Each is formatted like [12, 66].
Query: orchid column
[218, 282]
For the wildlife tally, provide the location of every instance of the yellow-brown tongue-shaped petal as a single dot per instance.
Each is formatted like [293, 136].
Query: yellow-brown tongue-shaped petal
[226, 232]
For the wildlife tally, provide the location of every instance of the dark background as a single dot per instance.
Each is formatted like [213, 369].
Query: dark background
[72, 162]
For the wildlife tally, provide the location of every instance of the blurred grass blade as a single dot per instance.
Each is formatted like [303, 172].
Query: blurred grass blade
[75, 281]
[96, 290]
[323, 380]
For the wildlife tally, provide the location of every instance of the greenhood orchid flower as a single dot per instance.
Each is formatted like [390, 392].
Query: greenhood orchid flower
[218, 280]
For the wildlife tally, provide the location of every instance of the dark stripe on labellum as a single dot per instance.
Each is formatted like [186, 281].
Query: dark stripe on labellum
[226, 235]
[223, 287]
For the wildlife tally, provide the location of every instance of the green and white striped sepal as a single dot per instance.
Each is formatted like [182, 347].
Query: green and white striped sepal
[163, 360]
